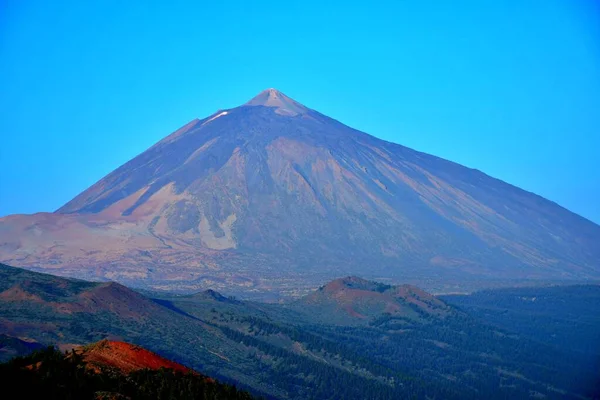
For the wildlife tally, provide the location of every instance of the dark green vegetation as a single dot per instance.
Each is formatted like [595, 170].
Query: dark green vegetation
[350, 339]
[50, 374]
[567, 317]
[563, 317]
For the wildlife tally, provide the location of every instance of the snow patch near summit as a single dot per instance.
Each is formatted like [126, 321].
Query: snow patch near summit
[215, 117]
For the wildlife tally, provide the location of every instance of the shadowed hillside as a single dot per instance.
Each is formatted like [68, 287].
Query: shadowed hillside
[566, 316]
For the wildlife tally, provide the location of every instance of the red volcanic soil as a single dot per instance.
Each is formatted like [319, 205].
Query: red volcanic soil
[125, 357]
[363, 299]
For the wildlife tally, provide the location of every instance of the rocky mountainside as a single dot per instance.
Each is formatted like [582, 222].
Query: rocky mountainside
[272, 196]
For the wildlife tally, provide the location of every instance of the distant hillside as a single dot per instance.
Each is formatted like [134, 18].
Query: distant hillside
[353, 300]
[107, 370]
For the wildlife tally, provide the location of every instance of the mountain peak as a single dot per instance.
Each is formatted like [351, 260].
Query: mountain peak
[283, 104]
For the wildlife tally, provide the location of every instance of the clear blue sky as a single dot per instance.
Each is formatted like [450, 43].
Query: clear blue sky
[509, 87]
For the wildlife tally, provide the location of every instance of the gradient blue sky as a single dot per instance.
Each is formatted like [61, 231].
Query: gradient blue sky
[508, 87]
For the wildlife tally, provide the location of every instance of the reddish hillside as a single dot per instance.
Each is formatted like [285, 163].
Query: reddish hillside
[355, 300]
[125, 357]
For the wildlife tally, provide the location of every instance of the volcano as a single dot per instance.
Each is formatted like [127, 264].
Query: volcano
[272, 196]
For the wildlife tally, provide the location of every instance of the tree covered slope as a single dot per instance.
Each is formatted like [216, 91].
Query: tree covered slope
[350, 338]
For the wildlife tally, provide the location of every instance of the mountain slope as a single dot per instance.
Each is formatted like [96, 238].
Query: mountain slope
[254, 196]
